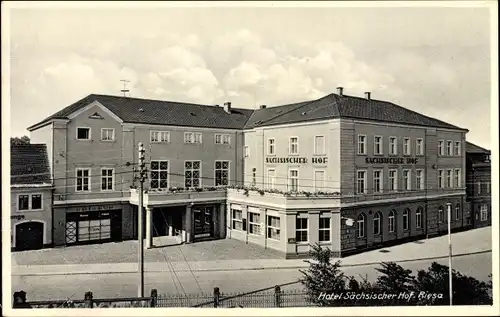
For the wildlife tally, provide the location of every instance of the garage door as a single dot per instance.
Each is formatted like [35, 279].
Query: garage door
[29, 236]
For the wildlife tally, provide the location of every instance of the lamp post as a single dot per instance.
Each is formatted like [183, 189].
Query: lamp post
[450, 277]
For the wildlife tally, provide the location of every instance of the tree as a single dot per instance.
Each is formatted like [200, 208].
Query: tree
[323, 278]
[396, 280]
[20, 141]
[466, 290]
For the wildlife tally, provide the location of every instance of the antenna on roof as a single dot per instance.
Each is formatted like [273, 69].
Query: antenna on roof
[125, 90]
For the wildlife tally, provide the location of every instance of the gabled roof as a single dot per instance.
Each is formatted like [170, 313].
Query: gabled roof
[475, 149]
[29, 164]
[146, 111]
[336, 106]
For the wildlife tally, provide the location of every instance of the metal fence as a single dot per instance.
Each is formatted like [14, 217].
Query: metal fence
[265, 298]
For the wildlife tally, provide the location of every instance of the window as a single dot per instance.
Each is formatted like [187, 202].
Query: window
[36, 202]
[406, 219]
[107, 134]
[82, 179]
[440, 214]
[246, 151]
[192, 137]
[237, 219]
[393, 146]
[361, 144]
[361, 182]
[377, 181]
[440, 178]
[221, 173]
[478, 188]
[449, 178]
[484, 212]
[222, 139]
[419, 179]
[449, 148]
[23, 202]
[294, 180]
[393, 180]
[107, 179]
[254, 223]
[441, 147]
[488, 189]
[377, 224]
[377, 146]
[83, 133]
[192, 174]
[418, 218]
[254, 176]
[159, 174]
[420, 147]
[361, 226]
[324, 229]
[406, 146]
[294, 145]
[159, 136]
[273, 227]
[319, 180]
[457, 212]
[271, 147]
[271, 178]
[301, 230]
[29, 202]
[457, 175]
[406, 180]
[319, 145]
[392, 221]
[457, 150]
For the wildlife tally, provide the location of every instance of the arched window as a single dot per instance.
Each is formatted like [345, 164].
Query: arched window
[392, 221]
[361, 226]
[457, 211]
[377, 223]
[441, 214]
[418, 218]
[406, 219]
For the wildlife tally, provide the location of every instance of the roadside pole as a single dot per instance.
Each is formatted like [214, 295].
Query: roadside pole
[140, 215]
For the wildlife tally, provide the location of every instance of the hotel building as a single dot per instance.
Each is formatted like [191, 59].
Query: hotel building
[282, 177]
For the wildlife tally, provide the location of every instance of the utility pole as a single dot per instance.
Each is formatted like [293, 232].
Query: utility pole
[140, 214]
[450, 254]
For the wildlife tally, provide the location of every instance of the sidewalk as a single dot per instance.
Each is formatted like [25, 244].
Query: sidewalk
[469, 242]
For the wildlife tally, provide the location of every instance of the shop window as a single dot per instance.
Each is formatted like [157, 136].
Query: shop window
[237, 219]
[301, 230]
[324, 229]
[273, 227]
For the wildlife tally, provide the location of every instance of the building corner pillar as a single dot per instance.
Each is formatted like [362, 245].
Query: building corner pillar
[222, 221]
[149, 227]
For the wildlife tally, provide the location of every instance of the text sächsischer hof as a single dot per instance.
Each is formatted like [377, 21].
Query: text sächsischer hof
[379, 296]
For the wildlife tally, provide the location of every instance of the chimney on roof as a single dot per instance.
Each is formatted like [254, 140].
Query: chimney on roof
[227, 107]
[368, 95]
[263, 106]
[340, 91]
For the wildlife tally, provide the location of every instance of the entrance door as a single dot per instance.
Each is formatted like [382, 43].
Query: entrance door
[203, 224]
[29, 236]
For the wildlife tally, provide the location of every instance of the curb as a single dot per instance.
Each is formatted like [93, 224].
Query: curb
[243, 269]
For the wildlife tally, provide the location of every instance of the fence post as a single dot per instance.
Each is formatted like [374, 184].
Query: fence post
[88, 300]
[154, 297]
[277, 296]
[216, 297]
[20, 300]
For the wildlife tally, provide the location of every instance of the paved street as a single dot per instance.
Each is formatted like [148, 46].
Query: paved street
[124, 285]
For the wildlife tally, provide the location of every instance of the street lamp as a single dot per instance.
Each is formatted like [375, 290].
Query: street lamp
[448, 205]
[349, 222]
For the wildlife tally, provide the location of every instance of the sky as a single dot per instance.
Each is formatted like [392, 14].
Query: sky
[432, 60]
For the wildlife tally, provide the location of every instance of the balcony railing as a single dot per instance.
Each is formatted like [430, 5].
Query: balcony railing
[178, 195]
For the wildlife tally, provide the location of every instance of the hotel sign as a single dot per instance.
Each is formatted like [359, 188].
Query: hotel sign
[391, 160]
[296, 160]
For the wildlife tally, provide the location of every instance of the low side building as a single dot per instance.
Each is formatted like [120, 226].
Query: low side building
[478, 185]
[31, 197]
